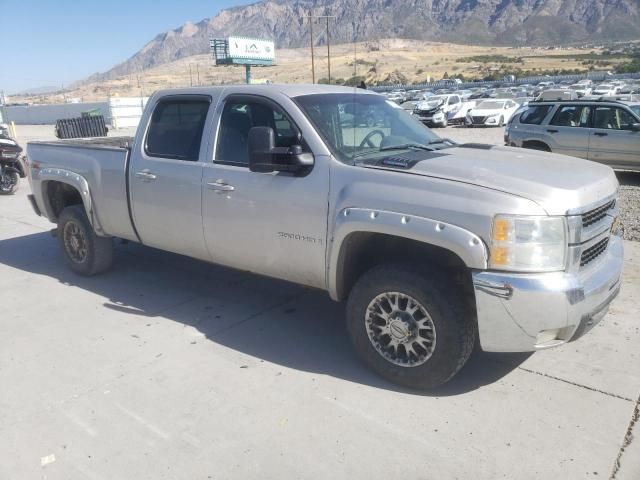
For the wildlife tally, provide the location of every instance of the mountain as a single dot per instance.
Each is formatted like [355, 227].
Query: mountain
[38, 90]
[500, 22]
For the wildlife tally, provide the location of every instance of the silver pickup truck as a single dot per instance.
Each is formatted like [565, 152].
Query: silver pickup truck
[435, 246]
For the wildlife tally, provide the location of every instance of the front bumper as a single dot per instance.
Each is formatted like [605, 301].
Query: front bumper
[527, 312]
[431, 120]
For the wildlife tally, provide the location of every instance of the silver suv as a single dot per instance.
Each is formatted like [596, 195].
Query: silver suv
[602, 131]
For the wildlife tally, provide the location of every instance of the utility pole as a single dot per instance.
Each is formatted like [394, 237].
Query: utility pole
[328, 52]
[198, 72]
[190, 76]
[313, 68]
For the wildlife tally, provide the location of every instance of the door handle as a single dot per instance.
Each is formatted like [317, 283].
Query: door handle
[220, 186]
[600, 134]
[146, 175]
[552, 130]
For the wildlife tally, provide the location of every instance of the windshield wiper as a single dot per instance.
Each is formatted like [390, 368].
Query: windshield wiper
[403, 146]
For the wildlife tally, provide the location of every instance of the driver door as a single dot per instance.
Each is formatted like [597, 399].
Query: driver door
[273, 224]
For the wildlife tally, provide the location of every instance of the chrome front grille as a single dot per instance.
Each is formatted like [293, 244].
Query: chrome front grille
[589, 232]
[594, 216]
[593, 252]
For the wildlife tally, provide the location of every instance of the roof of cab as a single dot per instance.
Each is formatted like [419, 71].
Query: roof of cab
[290, 90]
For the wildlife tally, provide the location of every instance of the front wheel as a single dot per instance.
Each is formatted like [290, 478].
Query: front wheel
[410, 326]
[86, 253]
[9, 183]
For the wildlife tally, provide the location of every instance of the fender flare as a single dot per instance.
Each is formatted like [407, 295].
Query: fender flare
[468, 246]
[78, 182]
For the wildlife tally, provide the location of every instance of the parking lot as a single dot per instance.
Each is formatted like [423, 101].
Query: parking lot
[167, 367]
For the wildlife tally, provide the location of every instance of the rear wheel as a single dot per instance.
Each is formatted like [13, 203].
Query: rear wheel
[537, 146]
[86, 253]
[410, 326]
[9, 183]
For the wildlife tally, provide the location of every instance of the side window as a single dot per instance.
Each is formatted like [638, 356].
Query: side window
[535, 114]
[612, 118]
[176, 128]
[238, 117]
[453, 100]
[571, 116]
[625, 119]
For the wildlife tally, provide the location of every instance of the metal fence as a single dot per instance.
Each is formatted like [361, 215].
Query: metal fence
[595, 76]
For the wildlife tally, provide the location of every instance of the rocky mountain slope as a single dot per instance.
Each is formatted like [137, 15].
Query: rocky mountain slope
[501, 22]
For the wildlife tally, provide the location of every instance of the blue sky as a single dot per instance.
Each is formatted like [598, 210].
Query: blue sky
[50, 42]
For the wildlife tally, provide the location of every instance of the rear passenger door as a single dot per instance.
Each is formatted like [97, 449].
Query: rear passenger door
[568, 130]
[612, 140]
[165, 176]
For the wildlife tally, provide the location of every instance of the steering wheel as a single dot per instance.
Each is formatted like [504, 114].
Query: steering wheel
[366, 141]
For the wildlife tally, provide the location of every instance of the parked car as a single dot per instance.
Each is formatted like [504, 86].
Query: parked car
[604, 89]
[581, 89]
[432, 244]
[558, 94]
[491, 113]
[436, 111]
[599, 130]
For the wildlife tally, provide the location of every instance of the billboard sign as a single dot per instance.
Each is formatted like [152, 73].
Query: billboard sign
[241, 48]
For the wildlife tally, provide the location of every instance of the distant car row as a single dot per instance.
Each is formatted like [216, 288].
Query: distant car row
[483, 106]
[581, 88]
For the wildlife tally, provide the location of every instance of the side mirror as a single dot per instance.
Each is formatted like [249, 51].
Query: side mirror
[265, 157]
[635, 127]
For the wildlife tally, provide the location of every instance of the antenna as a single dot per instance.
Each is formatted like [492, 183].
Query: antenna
[355, 88]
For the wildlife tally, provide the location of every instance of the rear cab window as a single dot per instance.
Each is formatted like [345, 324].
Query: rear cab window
[176, 126]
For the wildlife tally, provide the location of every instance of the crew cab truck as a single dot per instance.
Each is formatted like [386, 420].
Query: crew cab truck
[433, 245]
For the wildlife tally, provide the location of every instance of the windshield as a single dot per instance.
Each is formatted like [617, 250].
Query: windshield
[364, 125]
[436, 98]
[490, 105]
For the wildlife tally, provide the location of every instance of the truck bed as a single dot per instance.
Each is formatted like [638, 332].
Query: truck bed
[103, 163]
[98, 142]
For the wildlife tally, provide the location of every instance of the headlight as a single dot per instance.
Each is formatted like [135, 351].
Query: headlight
[528, 244]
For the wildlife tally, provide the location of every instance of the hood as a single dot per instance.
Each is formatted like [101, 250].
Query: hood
[555, 182]
[430, 104]
[486, 112]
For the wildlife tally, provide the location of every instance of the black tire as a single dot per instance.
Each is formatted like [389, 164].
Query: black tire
[10, 187]
[97, 254]
[455, 325]
[541, 147]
